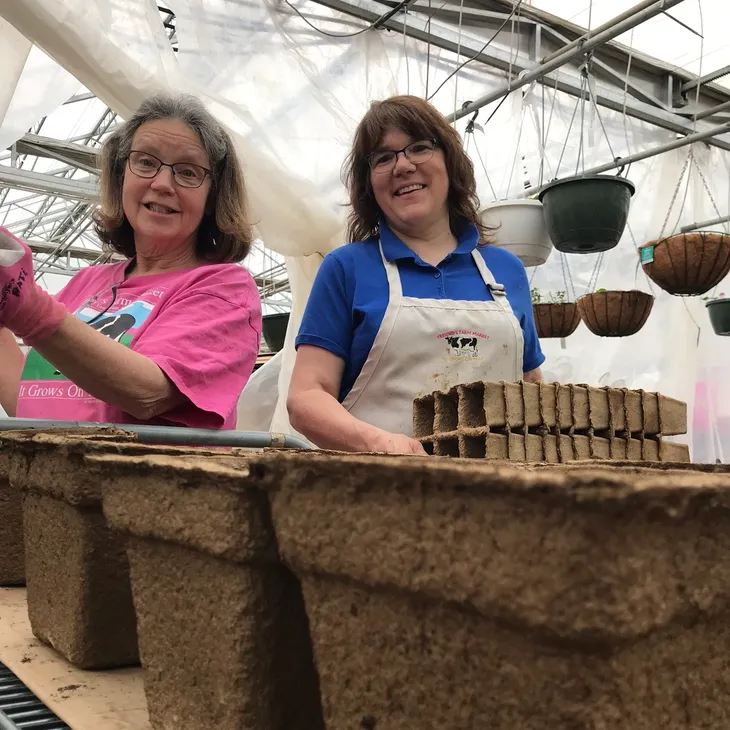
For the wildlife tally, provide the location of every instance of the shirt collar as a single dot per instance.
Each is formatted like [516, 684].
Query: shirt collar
[394, 248]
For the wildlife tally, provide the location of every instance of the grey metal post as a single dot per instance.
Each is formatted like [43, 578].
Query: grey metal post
[646, 154]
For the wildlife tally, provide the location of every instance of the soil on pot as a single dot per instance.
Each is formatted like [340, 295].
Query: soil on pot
[12, 555]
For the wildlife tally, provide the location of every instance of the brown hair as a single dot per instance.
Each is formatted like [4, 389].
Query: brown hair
[225, 234]
[420, 120]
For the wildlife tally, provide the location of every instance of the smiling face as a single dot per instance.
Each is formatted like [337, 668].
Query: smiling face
[411, 197]
[164, 215]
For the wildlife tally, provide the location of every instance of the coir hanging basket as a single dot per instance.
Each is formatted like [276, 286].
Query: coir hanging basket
[615, 313]
[556, 320]
[687, 264]
[586, 214]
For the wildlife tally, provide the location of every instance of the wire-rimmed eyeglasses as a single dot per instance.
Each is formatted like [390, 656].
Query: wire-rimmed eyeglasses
[416, 152]
[186, 174]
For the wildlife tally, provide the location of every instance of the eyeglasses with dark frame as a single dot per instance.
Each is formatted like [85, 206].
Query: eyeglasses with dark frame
[186, 174]
[416, 152]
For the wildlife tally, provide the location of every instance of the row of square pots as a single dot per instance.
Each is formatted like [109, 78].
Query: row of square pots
[300, 590]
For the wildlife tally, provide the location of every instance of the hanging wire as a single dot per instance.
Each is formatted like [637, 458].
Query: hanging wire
[458, 57]
[515, 7]
[428, 48]
[405, 50]
[567, 136]
[327, 33]
[626, 98]
[469, 132]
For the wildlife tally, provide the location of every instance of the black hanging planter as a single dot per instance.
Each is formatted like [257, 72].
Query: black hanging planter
[719, 311]
[273, 328]
[586, 214]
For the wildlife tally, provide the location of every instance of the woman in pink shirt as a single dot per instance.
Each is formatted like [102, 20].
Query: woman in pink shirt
[170, 335]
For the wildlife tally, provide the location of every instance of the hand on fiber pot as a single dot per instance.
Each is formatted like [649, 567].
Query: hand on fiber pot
[25, 309]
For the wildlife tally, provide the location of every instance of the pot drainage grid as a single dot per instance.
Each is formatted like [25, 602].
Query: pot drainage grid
[20, 709]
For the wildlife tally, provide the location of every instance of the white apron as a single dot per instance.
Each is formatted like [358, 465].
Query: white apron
[425, 345]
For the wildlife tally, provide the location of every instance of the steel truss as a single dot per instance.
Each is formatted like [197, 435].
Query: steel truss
[534, 47]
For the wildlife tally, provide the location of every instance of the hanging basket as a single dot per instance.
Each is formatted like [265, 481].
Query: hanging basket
[587, 214]
[687, 264]
[556, 320]
[522, 229]
[719, 311]
[615, 313]
[273, 328]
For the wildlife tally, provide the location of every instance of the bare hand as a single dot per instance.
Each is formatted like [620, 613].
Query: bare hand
[395, 443]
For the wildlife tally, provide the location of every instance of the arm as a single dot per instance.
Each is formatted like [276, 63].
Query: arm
[316, 413]
[12, 360]
[94, 363]
[533, 376]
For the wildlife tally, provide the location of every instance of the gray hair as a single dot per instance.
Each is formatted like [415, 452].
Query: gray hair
[225, 233]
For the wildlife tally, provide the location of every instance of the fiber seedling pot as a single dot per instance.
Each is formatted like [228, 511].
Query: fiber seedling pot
[586, 214]
[522, 229]
[77, 572]
[445, 594]
[556, 320]
[615, 313]
[273, 328]
[687, 264]
[12, 556]
[223, 634]
[719, 311]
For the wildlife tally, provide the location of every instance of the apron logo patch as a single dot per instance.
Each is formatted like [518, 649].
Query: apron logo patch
[462, 344]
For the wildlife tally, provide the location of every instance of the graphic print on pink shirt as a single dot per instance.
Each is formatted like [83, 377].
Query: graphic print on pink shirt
[201, 327]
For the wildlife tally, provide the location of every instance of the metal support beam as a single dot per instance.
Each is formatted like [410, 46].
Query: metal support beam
[586, 43]
[77, 155]
[75, 252]
[37, 182]
[648, 81]
[705, 224]
[646, 154]
[706, 78]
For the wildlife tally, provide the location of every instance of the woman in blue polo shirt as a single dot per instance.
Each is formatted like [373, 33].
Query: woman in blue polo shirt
[419, 303]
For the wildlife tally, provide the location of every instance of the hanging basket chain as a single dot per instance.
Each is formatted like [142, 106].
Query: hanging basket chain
[709, 193]
[567, 277]
[676, 192]
[594, 274]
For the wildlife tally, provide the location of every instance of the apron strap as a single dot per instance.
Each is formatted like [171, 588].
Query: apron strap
[394, 282]
[498, 292]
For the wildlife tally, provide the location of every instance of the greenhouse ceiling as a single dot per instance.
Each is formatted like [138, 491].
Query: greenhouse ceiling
[665, 63]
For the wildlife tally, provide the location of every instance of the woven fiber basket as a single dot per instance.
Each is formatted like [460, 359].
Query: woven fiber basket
[687, 264]
[615, 313]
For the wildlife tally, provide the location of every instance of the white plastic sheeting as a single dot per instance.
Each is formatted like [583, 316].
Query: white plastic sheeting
[292, 98]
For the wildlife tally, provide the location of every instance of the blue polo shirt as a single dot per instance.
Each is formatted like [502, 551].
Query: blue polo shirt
[350, 294]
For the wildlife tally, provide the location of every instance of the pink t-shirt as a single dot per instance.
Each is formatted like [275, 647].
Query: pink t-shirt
[202, 327]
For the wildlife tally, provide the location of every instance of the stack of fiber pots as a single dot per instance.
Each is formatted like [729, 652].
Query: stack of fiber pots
[550, 422]
[306, 590]
[216, 619]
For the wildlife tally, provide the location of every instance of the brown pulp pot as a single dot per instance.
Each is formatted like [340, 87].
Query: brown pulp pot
[556, 320]
[688, 264]
[615, 313]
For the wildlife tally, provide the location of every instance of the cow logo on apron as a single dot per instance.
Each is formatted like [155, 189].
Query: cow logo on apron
[463, 345]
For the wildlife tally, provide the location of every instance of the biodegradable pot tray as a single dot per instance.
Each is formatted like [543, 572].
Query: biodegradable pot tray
[223, 633]
[445, 595]
[555, 422]
[79, 596]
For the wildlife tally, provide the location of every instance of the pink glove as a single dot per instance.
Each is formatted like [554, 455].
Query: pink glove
[25, 309]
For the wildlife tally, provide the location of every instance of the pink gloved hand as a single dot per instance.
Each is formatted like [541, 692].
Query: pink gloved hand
[25, 309]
